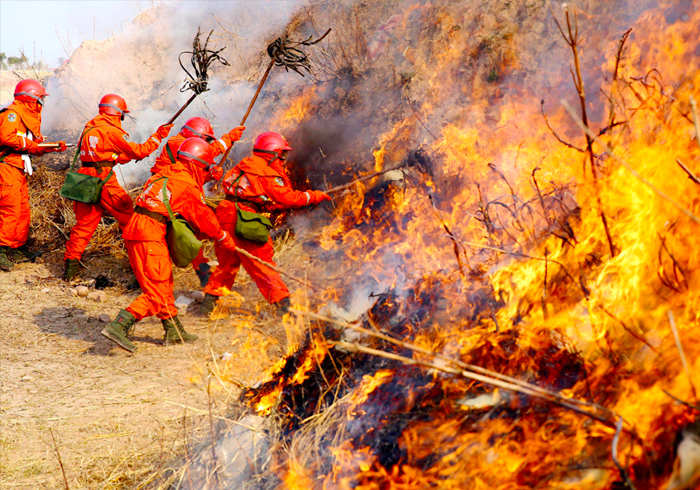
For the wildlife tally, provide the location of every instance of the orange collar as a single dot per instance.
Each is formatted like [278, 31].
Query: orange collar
[256, 165]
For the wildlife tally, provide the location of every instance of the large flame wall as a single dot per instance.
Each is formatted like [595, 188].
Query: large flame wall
[593, 253]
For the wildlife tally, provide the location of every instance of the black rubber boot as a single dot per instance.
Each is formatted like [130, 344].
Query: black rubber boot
[72, 269]
[207, 305]
[118, 330]
[5, 263]
[175, 332]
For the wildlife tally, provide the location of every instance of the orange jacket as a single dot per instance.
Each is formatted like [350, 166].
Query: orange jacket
[265, 184]
[108, 142]
[186, 199]
[217, 148]
[17, 122]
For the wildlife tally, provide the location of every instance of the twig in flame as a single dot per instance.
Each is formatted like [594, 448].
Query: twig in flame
[623, 473]
[690, 173]
[694, 110]
[679, 346]
[626, 165]
[471, 371]
[571, 38]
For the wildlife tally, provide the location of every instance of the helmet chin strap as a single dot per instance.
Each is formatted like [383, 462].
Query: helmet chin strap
[275, 154]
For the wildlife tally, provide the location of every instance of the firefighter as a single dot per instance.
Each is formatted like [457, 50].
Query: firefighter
[201, 128]
[20, 136]
[145, 241]
[105, 144]
[258, 184]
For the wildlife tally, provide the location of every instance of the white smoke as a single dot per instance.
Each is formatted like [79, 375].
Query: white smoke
[141, 65]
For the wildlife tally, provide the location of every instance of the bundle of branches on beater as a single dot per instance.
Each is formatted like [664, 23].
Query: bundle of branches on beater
[285, 53]
[201, 58]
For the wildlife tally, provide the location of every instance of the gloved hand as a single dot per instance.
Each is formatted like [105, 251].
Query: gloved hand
[50, 149]
[236, 133]
[216, 172]
[33, 148]
[163, 131]
[227, 242]
[318, 196]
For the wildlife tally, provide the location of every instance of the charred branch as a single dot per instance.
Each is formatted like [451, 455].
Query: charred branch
[678, 284]
[690, 173]
[554, 133]
[455, 243]
[613, 85]
[571, 38]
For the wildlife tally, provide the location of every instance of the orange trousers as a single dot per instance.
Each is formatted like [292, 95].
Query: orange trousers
[223, 275]
[114, 199]
[14, 206]
[150, 261]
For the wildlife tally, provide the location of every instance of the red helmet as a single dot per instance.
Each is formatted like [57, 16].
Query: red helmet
[271, 143]
[113, 104]
[197, 127]
[195, 151]
[29, 91]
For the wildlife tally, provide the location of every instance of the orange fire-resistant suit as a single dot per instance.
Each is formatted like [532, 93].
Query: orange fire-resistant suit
[166, 159]
[20, 125]
[263, 187]
[105, 144]
[144, 236]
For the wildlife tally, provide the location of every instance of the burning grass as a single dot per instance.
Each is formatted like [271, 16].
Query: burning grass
[566, 267]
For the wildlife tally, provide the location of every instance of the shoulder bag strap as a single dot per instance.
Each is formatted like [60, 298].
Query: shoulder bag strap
[170, 153]
[79, 145]
[166, 201]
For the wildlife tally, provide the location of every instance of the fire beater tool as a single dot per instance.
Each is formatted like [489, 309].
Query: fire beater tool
[55, 145]
[419, 159]
[201, 58]
[282, 52]
[344, 187]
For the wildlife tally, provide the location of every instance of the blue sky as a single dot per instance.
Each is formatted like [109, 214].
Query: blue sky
[48, 29]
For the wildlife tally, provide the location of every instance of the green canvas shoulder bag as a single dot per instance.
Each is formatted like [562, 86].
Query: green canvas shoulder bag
[80, 187]
[182, 241]
[251, 226]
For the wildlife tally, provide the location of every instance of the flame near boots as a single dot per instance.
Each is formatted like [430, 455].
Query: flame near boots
[207, 305]
[118, 330]
[175, 332]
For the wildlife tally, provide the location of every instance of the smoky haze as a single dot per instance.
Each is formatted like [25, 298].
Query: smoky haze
[141, 65]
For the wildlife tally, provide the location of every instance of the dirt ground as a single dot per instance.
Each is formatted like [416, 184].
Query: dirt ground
[78, 412]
